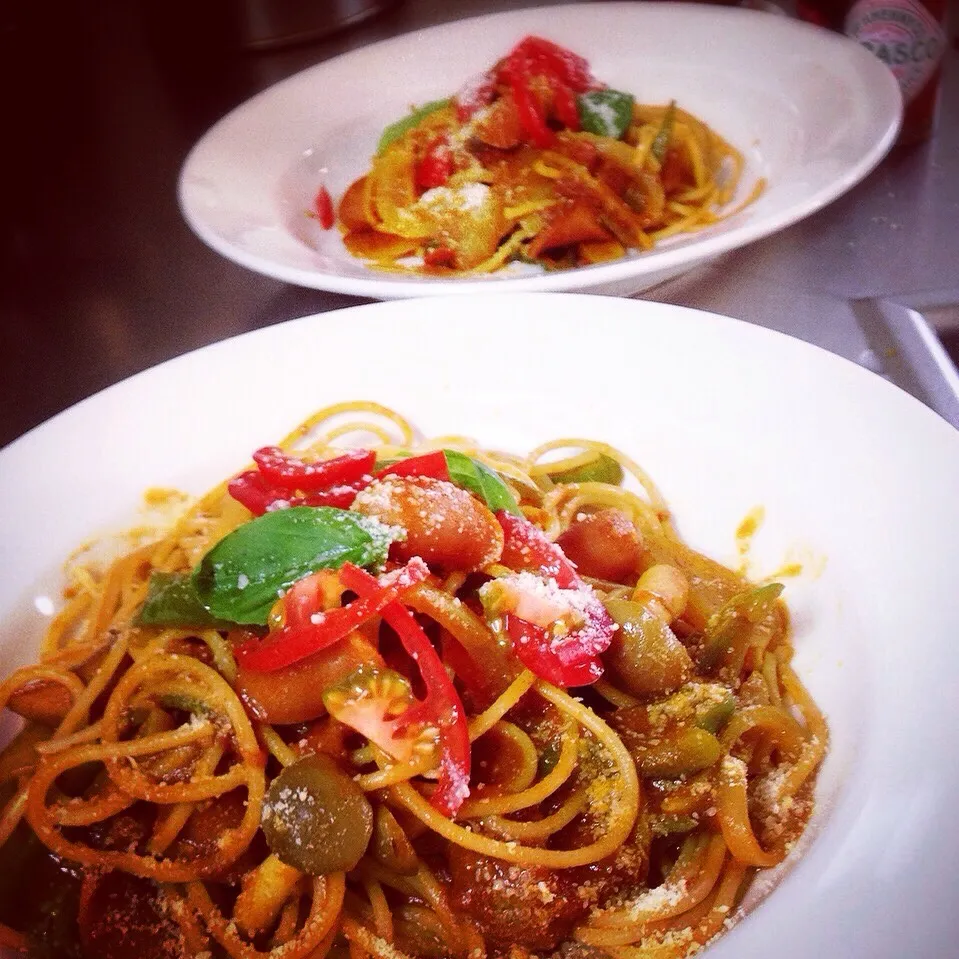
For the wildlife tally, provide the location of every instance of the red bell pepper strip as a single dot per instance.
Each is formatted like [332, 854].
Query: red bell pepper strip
[294, 473]
[436, 167]
[258, 495]
[516, 72]
[564, 103]
[544, 56]
[564, 71]
[442, 704]
[290, 644]
[560, 662]
[323, 205]
[252, 491]
[429, 464]
[526, 547]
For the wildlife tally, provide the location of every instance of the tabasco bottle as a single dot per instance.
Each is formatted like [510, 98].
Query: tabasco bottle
[907, 35]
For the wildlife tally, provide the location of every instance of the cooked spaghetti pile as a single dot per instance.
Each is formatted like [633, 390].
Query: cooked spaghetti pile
[534, 162]
[404, 699]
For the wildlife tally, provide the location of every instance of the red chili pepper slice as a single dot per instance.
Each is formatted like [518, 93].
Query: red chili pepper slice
[526, 547]
[293, 473]
[567, 74]
[258, 495]
[516, 71]
[323, 205]
[292, 643]
[481, 683]
[252, 491]
[439, 256]
[533, 646]
[340, 497]
[429, 464]
[546, 56]
[442, 704]
[564, 103]
[436, 167]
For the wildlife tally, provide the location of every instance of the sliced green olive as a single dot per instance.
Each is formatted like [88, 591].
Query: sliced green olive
[396, 129]
[602, 469]
[706, 705]
[684, 752]
[548, 757]
[185, 702]
[731, 625]
[316, 818]
[670, 825]
[714, 717]
[645, 655]
[391, 846]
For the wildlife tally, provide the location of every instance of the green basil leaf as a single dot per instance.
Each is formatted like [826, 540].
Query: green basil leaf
[241, 577]
[660, 143]
[481, 480]
[172, 601]
[395, 130]
[607, 113]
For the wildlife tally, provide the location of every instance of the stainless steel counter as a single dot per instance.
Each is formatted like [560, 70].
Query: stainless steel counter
[105, 279]
[872, 276]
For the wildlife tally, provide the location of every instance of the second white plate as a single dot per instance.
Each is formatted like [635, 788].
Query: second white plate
[812, 111]
[857, 478]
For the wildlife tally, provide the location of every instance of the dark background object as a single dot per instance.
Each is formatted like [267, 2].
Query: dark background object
[101, 277]
[270, 24]
[906, 38]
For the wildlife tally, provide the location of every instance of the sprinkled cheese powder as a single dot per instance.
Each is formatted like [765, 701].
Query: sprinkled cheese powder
[651, 901]
[539, 600]
[474, 195]
[733, 769]
[381, 533]
[378, 496]
[404, 575]
[469, 198]
[606, 115]
[666, 896]
[689, 703]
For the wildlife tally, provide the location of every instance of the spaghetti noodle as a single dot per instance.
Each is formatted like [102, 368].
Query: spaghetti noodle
[499, 707]
[534, 163]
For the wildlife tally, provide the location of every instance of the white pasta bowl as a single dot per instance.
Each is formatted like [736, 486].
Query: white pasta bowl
[811, 111]
[857, 479]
